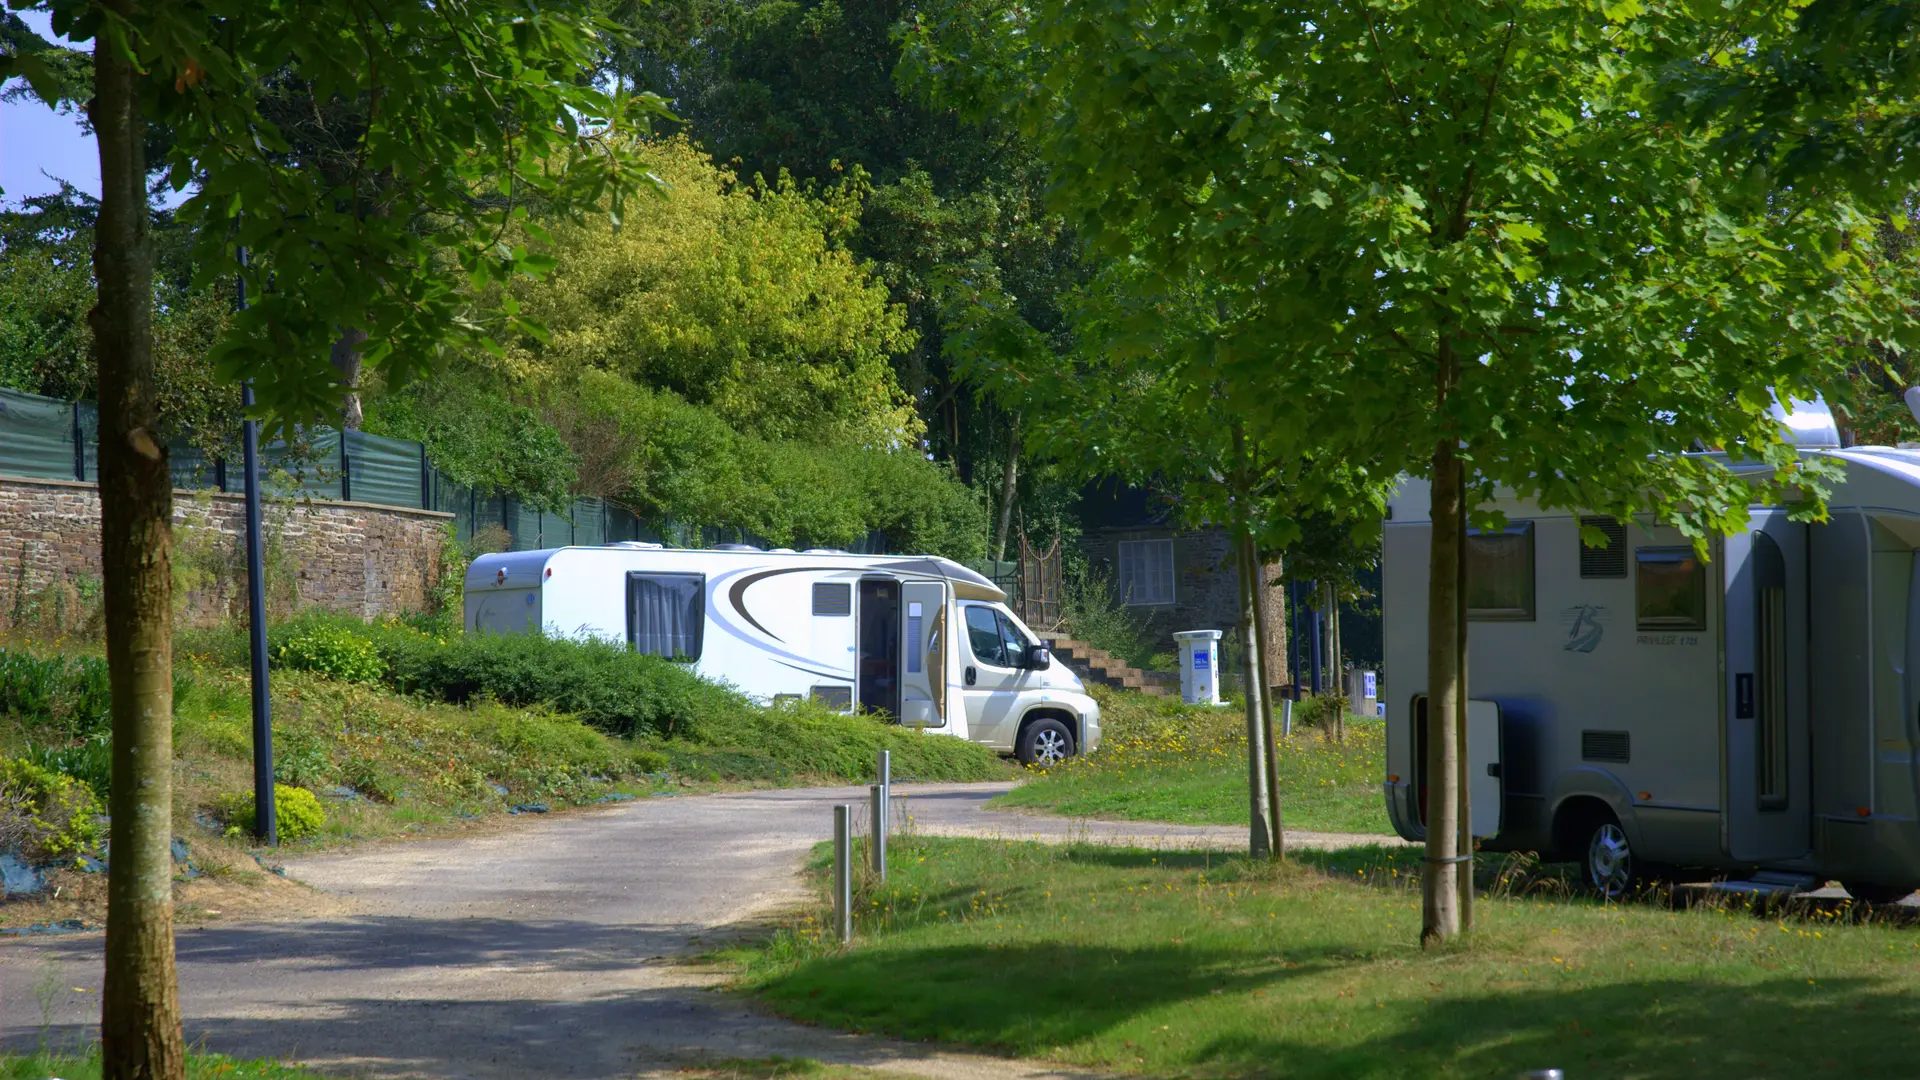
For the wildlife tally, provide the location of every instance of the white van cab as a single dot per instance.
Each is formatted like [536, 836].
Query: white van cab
[918, 638]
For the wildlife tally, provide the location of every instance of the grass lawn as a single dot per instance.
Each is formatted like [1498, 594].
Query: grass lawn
[1177, 964]
[1160, 760]
[199, 1067]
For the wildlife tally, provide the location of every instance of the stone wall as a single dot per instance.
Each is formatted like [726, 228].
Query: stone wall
[1206, 586]
[352, 557]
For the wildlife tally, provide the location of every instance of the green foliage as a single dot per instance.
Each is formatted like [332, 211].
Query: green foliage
[46, 344]
[1161, 760]
[480, 437]
[199, 1066]
[1094, 612]
[808, 87]
[45, 816]
[1512, 258]
[297, 813]
[802, 739]
[330, 649]
[531, 128]
[89, 761]
[671, 459]
[599, 683]
[739, 298]
[68, 694]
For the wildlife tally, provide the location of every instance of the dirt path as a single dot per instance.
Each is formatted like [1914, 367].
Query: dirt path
[555, 950]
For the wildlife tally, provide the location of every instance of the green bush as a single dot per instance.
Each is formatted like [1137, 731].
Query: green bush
[69, 694]
[297, 812]
[328, 648]
[45, 816]
[598, 682]
[89, 761]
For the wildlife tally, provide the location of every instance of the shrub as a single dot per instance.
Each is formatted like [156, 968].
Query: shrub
[330, 649]
[45, 816]
[598, 682]
[297, 813]
[67, 693]
[89, 761]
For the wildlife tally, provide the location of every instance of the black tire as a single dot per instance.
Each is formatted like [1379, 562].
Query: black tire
[1607, 861]
[1045, 743]
[1866, 892]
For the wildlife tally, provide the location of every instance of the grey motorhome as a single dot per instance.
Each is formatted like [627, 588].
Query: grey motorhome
[915, 637]
[1636, 708]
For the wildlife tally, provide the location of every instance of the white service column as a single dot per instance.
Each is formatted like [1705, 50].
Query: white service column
[1199, 666]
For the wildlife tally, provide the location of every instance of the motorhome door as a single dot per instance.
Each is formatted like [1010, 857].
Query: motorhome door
[879, 646]
[923, 645]
[1768, 803]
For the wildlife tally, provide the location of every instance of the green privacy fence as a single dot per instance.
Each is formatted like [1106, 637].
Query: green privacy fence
[46, 438]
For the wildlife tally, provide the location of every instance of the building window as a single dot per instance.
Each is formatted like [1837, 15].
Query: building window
[1670, 589]
[1500, 574]
[1146, 572]
[666, 614]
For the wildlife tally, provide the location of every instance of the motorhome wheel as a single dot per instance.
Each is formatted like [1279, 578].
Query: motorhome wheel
[1609, 863]
[1045, 743]
[1878, 895]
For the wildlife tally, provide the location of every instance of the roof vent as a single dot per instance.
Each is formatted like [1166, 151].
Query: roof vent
[825, 551]
[1807, 423]
[636, 545]
[735, 547]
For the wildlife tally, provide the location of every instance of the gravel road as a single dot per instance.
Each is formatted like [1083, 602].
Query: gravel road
[557, 949]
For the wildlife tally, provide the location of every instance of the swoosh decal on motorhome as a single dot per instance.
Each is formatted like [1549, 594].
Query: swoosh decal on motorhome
[811, 665]
[738, 594]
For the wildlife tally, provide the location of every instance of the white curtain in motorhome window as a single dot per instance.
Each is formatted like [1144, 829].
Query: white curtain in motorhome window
[665, 614]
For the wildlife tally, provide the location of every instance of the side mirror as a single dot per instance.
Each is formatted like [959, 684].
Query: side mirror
[1038, 657]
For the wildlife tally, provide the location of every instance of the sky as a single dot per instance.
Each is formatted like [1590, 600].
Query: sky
[37, 143]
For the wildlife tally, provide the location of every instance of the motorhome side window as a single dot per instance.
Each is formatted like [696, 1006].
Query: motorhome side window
[1669, 589]
[666, 614]
[983, 633]
[1500, 574]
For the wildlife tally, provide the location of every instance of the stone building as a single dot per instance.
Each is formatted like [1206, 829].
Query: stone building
[1168, 577]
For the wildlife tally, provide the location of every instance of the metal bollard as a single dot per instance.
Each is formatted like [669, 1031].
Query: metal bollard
[1286, 717]
[885, 773]
[843, 871]
[878, 845]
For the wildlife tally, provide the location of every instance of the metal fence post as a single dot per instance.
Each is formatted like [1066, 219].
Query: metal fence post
[843, 871]
[878, 844]
[1286, 716]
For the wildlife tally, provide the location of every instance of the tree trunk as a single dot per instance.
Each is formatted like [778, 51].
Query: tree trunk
[1272, 609]
[1260, 841]
[1465, 840]
[1440, 918]
[139, 1014]
[346, 360]
[1253, 595]
[1009, 479]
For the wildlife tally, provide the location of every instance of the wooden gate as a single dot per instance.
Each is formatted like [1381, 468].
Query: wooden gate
[1040, 586]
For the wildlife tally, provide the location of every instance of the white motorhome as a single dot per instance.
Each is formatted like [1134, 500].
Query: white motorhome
[917, 638]
[1637, 708]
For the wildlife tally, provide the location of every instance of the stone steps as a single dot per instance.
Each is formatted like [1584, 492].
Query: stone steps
[1099, 666]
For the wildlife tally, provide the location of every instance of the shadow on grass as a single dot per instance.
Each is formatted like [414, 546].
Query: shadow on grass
[1034, 999]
